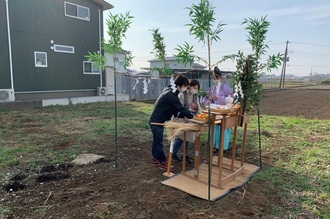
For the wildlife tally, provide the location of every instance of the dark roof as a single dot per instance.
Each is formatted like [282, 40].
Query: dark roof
[123, 51]
[139, 74]
[104, 4]
[198, 71]
[172, 58]
[166, 59]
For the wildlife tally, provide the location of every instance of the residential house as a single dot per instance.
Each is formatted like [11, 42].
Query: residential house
[173, 64]
[109, 71]
[119, 61]
[43, 44]
[193, 71]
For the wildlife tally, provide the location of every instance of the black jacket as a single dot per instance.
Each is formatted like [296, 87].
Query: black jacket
[167, 105]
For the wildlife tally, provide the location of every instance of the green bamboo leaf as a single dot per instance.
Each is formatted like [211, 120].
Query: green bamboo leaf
[185, 54]
[117, 24]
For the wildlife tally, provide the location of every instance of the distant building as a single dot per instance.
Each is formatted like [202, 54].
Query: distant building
[173, 64]
[290, 76]
[109, 71]
[43, 46]
[119, 61]
[194, 70]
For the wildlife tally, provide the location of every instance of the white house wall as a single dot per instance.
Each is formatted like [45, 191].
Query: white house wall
[120, 67]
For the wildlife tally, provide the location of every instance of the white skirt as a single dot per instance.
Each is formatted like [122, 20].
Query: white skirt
[190, 136]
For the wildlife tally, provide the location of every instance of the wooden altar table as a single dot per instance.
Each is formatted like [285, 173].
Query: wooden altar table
[226, 173]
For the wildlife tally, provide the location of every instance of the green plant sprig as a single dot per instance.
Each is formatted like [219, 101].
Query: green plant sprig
[249, 67]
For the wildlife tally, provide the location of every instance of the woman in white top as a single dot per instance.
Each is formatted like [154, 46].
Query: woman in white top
[189, 99]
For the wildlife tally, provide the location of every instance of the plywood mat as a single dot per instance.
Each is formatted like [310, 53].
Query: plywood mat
[199, 188]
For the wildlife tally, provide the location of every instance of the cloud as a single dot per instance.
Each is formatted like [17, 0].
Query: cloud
[175, 29]
[144, 26]
[309, 15]
[233, 27]
[319, 14]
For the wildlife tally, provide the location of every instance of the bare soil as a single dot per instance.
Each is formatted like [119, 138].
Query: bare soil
[308, 102]
[133, 189]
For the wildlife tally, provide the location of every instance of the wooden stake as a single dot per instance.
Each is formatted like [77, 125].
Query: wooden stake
[48, 197]
[184, 151]
[168, 173]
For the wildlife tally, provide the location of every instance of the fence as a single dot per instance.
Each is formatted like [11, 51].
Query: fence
[133, 86]
[273, 82]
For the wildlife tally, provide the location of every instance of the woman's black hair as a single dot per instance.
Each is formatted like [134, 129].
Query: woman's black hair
[181, 80]
[194, 82]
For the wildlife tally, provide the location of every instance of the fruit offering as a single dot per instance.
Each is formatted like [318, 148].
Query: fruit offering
[202, 116]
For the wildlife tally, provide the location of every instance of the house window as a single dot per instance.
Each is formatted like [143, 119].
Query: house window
[91, 68]
[40, 59]
[76, 11]
[63, 48]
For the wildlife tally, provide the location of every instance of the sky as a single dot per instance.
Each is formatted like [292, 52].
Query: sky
[304, 23]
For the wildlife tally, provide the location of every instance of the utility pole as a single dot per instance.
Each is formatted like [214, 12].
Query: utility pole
[311, 75]
[284, 66]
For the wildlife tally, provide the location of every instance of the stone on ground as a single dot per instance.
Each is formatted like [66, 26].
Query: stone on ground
[84, 159]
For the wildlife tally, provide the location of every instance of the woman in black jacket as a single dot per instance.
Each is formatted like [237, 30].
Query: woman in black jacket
[166, 106]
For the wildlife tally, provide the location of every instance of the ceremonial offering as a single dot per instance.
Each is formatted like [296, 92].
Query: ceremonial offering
[174, 129]
[220, 109]
[202, 117]
[229, 100]
[235, 107]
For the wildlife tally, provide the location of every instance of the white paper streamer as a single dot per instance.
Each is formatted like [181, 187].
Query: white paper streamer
[238, 91]
[137, 81]
[172, 84]
[145, 85]
[201, 100]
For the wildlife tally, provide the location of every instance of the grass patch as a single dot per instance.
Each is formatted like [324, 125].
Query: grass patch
[296, 171]
[4, 211]
[300, 174]
[55, 134]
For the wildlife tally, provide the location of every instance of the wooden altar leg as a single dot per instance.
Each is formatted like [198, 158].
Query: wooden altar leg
[209, 159]
[169, 162]
[184, 151]
[243, 146]
[220, 154]
[197, 154]
[233, 148]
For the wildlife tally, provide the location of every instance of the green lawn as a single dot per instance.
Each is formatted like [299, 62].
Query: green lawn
[296, 151]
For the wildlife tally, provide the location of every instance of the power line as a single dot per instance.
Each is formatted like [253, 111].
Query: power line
[233, 50]
[312, 53]
[311, 44]
[222, 51]
[277, 43]
[308, 65]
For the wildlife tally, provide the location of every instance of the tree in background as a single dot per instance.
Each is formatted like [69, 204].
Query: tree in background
[117, 24]
[248, 67]
[202, 16]
[160, 52]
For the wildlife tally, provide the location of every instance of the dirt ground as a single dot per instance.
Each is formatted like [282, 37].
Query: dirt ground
[133, 190]
[310, 102]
